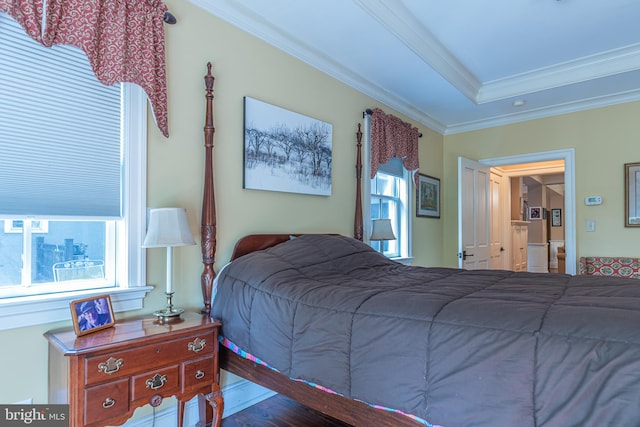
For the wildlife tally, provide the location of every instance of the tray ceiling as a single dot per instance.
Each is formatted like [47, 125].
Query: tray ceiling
[459, 65]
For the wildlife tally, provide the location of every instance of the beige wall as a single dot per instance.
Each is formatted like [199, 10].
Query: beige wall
[603, 139]
[243, 66]
[557, 202]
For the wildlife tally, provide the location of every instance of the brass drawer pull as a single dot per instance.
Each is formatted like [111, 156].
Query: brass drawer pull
[108, 403]
[156, 382]
[199, 375]
[197, 345]
[110, 366]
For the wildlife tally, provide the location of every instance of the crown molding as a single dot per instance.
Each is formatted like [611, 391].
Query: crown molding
[588, 68]
[254, 24]
[397, 19]
[556, 110]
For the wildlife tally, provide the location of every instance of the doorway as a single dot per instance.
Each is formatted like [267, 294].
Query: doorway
[569, 212]
[536, 197]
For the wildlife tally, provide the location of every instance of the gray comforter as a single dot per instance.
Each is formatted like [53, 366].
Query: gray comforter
[453, 347]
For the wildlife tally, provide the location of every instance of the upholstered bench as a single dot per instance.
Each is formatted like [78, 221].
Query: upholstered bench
[610, 266]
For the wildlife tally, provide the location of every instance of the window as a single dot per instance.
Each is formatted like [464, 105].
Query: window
[72, 183]
[389, 199]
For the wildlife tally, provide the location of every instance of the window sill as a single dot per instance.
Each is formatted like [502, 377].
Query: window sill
[39, 309]
[403, 260]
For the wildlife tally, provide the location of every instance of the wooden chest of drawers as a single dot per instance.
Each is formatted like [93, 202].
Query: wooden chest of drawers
[106, 375]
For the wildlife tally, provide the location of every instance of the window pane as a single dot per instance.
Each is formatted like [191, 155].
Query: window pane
[382, 207]
[68, 241]
[385, 185]
[58, 251]
[11, 249]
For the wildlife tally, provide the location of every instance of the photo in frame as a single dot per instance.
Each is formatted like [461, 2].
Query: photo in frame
[556, 217]
[428, 196]
[92, 314]
[285, 151]
[535, 213]
[632, 195]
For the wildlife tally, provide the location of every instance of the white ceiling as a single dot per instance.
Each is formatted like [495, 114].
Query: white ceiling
[459, 65]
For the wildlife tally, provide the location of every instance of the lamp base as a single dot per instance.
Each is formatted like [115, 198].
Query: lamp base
[170, 312]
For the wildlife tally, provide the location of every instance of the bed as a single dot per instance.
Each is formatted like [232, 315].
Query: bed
[333, 324]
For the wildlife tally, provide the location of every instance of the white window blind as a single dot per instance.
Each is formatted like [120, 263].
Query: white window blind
[60, 141]
[393, 167]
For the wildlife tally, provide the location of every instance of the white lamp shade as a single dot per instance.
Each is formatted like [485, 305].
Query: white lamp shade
[168, 227]
[382, 230]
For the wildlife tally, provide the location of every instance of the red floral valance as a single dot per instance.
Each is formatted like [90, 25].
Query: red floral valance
[123, 39]
[391, 137]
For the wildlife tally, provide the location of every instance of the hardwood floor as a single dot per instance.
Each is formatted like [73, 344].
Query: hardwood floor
[279, 411]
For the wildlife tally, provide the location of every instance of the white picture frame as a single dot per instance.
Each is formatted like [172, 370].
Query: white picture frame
[535, 213]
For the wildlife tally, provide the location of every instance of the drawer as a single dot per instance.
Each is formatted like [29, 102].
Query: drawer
[165, 381]
[197, 373]
[106, 401]
[125, 362]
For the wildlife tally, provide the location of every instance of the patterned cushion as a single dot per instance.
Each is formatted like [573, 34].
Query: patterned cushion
[610, 266]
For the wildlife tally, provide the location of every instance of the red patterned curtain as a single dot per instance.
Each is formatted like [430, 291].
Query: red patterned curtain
[391, 137]
[27, 13]
[123, 39]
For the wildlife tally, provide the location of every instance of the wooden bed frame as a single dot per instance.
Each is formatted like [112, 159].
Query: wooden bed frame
[350, 411]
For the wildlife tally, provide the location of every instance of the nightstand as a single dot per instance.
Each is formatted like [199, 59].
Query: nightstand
[106, 375]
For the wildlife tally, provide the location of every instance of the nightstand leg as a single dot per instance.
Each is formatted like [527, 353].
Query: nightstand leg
[203, 411]
[180, 413]
[217, 403]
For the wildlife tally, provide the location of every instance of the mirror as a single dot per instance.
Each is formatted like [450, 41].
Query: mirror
[632, 195]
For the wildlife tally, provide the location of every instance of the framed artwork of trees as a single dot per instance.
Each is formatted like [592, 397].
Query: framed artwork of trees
[285, 151]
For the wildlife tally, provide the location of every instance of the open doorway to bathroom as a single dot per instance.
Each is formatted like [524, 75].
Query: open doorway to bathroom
[543, 164]
[536, 209]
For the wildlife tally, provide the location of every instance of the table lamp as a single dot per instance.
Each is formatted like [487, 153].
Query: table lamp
[382, 231]
[168, 227]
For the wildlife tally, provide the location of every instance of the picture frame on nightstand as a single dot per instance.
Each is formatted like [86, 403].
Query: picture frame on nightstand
[92, 314]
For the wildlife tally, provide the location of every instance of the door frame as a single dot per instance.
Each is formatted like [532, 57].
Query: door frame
[568, 156]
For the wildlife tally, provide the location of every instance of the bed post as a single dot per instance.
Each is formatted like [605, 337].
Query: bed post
[357, 226]
[208, 225]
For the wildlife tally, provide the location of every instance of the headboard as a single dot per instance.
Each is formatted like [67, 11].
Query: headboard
[255, 241]
[258, 242]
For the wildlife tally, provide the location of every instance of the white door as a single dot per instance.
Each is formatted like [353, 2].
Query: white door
[497, 223]
[473, 215]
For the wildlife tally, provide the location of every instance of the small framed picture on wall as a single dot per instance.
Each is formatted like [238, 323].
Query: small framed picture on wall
[556, 217]
[535, 213]
[428, 196]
